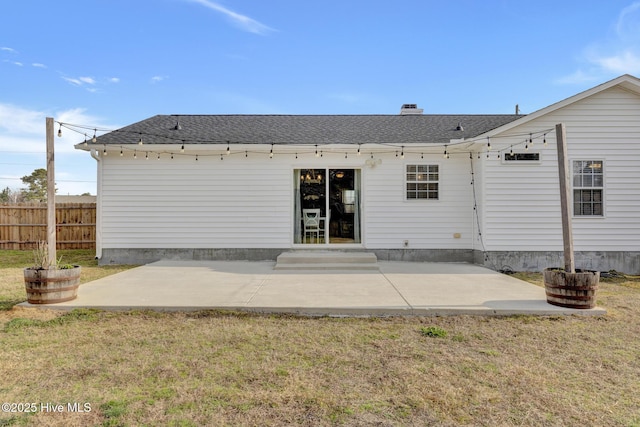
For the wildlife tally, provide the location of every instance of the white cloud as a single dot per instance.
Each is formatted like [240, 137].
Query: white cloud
[76, 82]
[626, 62]
[628, 25]
[23, 130]
[609, 58]
[87, 80]
[242, 21]
[38, 65]
[19, 64]
[114, 80]
[158, 79]
[8, 49]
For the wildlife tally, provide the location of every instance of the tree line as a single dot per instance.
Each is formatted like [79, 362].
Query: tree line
[35, 190]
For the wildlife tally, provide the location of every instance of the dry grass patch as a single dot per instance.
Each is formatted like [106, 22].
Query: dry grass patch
[218, 368]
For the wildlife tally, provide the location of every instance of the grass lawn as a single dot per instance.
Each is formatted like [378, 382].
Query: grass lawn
[218, 368]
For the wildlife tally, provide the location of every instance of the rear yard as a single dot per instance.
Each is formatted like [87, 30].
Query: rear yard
[221, 368]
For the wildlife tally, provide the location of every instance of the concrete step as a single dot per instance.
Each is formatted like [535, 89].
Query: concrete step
[326, 260]
[327, 266]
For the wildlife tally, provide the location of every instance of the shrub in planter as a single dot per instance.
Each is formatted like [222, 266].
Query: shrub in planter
[49, 282]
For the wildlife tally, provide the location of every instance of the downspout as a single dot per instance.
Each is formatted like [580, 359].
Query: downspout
[96, 156]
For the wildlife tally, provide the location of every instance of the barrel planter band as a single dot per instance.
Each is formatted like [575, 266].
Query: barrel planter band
[51, 286]
[571, 290]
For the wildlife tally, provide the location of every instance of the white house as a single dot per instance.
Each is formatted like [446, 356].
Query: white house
[411, 186]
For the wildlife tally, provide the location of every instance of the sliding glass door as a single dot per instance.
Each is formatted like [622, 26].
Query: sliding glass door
[327, 206]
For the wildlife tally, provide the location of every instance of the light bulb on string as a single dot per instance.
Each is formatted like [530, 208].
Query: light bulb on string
[402, 153]
[445, 155]
[544, 140]
[358, 149]
[488, 144]
[121, 153]
[228, 149]
[104, 151]
[146, 155]
[135, 154]
[60, 131]
[158, 156]
[140, 141]
[94, 136]
[271, 152]
[182, 148]
[316, 150]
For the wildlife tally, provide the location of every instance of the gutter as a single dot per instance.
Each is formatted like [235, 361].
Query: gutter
[95, 154]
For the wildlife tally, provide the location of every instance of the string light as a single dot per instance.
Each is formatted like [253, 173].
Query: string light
[60, 131]
[544, 140]
[135, 154]
[146, 155]
[527, 141]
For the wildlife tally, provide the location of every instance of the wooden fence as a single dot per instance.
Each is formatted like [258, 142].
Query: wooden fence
[22, 225]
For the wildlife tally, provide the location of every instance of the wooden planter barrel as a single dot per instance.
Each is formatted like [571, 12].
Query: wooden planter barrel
[571, 290]
[51, 286]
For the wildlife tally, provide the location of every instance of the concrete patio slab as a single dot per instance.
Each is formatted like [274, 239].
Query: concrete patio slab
[398, 288]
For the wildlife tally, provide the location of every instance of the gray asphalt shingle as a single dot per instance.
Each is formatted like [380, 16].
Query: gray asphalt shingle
[305, 129]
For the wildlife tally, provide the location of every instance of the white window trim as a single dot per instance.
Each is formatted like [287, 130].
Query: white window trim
[404, 181]
[604, 184]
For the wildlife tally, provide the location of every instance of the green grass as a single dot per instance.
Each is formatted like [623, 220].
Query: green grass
[223, 368]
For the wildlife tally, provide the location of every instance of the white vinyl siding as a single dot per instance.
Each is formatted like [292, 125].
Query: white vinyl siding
[521, 205]
[182, 203]
[390, 219]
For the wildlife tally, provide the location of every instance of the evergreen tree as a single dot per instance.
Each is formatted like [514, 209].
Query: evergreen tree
[37, 185]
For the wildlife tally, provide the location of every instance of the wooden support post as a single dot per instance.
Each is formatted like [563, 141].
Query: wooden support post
[51, 194]
[565, 197]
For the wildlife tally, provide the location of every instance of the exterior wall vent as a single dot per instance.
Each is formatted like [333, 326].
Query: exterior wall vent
[408, 109]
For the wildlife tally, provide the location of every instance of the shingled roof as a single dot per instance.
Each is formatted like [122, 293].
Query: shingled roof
[305, 129]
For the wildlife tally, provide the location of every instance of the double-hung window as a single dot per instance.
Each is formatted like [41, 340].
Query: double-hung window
[422, 182]
[588, 188]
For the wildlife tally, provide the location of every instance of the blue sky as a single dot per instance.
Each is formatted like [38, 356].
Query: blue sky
[109, 63]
